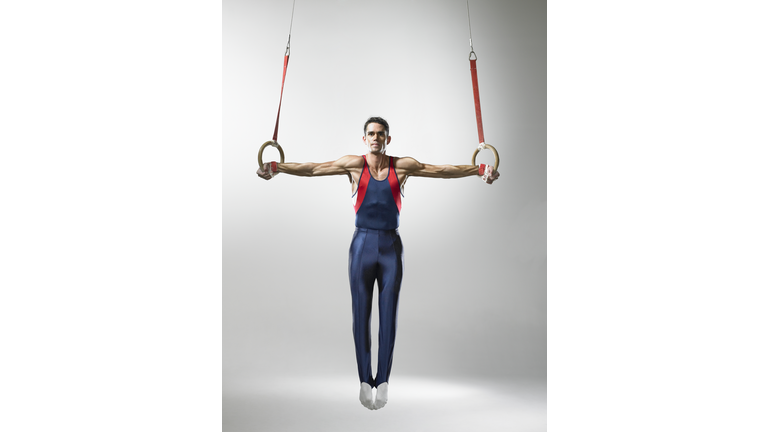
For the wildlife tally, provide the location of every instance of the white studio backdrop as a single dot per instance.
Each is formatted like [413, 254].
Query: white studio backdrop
[473, 301]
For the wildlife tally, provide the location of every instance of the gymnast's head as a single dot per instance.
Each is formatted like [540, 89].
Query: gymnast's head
[376, 135]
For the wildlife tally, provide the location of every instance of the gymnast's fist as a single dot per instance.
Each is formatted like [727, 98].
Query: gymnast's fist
[488, 173]
[268, 170]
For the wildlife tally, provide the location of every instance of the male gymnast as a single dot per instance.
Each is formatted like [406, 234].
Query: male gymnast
[376, 253]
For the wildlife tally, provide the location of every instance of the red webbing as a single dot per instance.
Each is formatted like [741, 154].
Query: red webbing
[277, 122]
[478, 113]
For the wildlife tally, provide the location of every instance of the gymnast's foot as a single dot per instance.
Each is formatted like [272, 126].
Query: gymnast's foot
[381, 396]
[366, 395]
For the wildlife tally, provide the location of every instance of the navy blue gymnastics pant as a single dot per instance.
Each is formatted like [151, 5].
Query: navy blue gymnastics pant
[375, 255]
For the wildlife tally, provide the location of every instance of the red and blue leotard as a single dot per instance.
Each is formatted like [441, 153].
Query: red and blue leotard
[376, 255]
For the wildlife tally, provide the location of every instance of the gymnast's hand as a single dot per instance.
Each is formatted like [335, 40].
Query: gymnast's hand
[488, 173]
[268, 170]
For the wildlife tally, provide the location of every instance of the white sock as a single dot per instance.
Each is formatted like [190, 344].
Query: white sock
[381, 395]
[366, 395]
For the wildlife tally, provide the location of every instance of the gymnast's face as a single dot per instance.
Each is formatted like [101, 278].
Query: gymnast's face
[376, 138]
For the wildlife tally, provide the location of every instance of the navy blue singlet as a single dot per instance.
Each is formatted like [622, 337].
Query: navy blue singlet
[378, 201]
[376, 255]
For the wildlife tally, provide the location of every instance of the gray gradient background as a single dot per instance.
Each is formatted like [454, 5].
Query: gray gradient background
[473, 305]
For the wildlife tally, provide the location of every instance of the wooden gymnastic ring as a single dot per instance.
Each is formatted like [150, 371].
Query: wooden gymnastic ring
[273, 144]
[495, 154]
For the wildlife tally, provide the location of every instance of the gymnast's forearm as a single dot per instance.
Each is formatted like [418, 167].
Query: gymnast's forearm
[309, 169]
[447, 171]
[458, 171]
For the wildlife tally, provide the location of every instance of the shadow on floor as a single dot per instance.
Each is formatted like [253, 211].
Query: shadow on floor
[415, 404]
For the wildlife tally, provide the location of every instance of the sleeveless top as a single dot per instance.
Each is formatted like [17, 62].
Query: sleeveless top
[378, 201]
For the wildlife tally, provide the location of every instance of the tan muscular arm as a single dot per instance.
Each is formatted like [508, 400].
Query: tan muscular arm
[411, 167]
[343, 165]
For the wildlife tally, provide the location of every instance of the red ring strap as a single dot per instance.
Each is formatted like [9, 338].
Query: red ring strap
[478, 113]
[277, 122]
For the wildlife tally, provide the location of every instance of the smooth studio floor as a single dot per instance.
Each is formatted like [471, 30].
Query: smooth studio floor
[415, 404]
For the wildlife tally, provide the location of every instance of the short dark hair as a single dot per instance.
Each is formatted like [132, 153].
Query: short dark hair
[378, 120]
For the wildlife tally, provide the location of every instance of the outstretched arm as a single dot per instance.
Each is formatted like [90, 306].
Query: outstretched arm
[411, 167]
[340, 166]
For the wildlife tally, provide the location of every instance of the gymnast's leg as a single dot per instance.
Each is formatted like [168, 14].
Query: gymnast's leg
[363, 254]
[390, 277]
